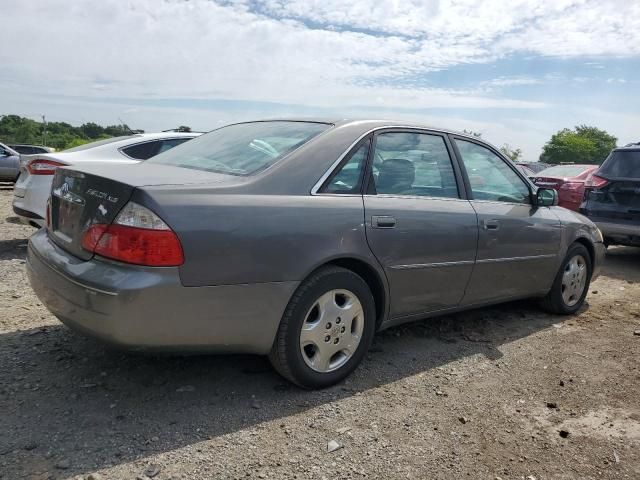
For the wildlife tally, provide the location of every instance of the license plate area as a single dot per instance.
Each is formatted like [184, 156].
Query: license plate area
[67, 206]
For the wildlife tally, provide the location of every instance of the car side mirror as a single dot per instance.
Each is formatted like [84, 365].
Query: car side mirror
[546, 197]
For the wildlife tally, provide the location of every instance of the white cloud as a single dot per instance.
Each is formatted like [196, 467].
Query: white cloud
[201, 48]
[324, 54]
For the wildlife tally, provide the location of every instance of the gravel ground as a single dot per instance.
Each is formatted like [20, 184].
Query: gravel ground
[506, 392]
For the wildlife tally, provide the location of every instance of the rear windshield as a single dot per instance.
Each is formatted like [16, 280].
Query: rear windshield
[622, 164]
[563, 171]
[241, 149]
[99, 143]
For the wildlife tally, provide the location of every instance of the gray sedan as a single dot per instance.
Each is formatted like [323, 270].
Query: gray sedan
[301, 239]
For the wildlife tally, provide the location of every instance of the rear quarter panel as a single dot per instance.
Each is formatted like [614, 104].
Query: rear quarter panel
[239, 238]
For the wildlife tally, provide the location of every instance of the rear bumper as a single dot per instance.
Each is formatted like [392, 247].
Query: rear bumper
[30, 198]
[29, 218]
[141, 308]
[622, 233]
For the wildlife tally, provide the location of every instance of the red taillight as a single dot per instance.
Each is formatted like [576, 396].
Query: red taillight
[137, 236]
[140, 246]
[41, 166]
[595, 181]
[92, 235]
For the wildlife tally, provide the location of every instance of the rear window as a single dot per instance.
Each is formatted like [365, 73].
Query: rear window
[563, 171]
[622, 164]
[241, 149]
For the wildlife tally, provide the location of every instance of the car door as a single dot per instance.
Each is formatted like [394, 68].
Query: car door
[419, 225]
[518, 243]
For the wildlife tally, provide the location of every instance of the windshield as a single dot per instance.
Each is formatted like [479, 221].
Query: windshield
[243, 148]
[622, 164]
[99, 143]
[563, 171]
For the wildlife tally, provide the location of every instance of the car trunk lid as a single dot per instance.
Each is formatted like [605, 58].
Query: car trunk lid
[79, 200]
[91, 194]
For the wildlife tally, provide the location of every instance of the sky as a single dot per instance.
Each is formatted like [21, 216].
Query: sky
[516, 71]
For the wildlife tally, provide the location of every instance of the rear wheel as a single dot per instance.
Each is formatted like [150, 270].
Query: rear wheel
[571, 284]
[326, 329]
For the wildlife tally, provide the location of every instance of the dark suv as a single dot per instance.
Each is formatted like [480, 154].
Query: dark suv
[612, 197]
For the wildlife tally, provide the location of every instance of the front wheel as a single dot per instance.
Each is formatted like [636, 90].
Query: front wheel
[326, 329]
[571, 284]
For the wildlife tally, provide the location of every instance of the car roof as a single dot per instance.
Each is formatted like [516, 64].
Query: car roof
[368, 123]
[629, 147]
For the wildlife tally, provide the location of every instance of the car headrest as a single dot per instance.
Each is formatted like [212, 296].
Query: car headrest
[395, 175]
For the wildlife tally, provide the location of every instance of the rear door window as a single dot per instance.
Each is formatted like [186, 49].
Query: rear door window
[413, 164]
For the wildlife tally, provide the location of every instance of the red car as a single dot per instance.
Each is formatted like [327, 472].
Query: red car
[568, 181]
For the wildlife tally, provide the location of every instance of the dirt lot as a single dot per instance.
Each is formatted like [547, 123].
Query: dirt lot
[484, 394]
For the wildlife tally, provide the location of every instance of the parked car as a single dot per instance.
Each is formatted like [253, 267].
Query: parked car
[34, 185]
[525, 170]
[31, 149]
[612, 197]
[9, 164]
[568, 181]
[535, 166]
[300, 239]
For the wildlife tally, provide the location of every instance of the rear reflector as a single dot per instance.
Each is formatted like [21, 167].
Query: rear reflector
[40, 166]
[137, 236]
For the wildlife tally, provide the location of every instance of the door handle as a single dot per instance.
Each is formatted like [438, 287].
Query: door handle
[383, 221]
[491, 224]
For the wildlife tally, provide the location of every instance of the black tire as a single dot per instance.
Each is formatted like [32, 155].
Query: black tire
[286, 355]
[554, 302]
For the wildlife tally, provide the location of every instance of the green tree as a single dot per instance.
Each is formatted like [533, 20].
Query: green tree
[584, 144]
[61, 135]
[513, 155]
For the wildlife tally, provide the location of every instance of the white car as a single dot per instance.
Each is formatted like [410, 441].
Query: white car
[36, 171]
